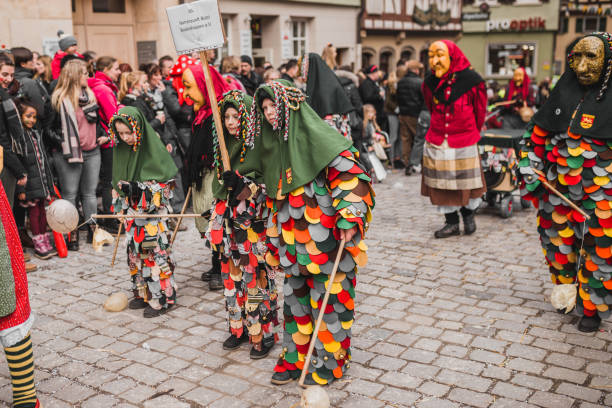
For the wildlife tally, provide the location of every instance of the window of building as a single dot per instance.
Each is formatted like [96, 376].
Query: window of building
[256, 39]
[108, 6]
[590, 24]
[298, 37]
[564, 26]
[503, 59]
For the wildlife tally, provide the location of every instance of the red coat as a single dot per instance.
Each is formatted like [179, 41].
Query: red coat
[459, 122]
[22, 309]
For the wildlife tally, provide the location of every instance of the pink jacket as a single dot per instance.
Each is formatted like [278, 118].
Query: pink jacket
[105, 92]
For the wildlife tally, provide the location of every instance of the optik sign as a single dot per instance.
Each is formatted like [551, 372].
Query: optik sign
[531, 24]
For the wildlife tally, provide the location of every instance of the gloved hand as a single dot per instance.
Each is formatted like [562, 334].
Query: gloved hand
[235, 184]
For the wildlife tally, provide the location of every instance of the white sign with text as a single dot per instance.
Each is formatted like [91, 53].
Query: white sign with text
[196, 26]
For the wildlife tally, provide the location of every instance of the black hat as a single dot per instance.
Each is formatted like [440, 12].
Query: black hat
[370, 69]
[247, 59]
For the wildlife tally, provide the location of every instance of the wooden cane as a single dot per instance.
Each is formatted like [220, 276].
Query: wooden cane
[556, 192]
[117, 243]
[122, 216]
[313, 338]
[178, 223]
[212, 99]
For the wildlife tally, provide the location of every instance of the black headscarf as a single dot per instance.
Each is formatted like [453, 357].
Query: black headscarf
[324, 92]
[200, 155]
[590, 106]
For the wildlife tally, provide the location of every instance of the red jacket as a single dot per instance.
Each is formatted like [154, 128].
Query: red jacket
[459, 122]
[55, 64]
[105, 92]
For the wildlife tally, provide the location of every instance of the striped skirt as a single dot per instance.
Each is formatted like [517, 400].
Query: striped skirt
[451, 176]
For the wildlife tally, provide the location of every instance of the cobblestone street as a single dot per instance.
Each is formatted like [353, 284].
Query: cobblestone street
[460, 322]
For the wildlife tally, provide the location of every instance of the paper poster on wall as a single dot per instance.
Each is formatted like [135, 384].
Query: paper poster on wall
[246, 43]
[286, 48]
[50, 45]
[196, 26]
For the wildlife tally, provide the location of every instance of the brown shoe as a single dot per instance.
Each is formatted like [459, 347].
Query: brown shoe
[30, 267]
[27, 257]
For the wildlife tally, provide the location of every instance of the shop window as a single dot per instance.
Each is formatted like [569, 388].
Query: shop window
[298, 37]
[503, 59]
[108, 6]
[386, 61]
[590, 24]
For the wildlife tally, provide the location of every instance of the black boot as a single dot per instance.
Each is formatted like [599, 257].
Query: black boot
[216, 282]
[90, 231]
[469, 224]
[233, 342]
[451, 226]
[216, 265]
[589, 324]
[73, 241]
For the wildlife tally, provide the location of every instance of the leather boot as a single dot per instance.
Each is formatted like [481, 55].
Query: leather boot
[451, 226]
[216, 282]
[216, 264]
[469, 223]
[73, 242]
[589, 324]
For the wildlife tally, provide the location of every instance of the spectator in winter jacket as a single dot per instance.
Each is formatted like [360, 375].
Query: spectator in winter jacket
[11, 133]
[248, 76]
[292, 70]
[42, 67]
[105, 91]
[31, 89]
[165, 64]
[371, 92]
[350, 83]
[68, 46]
[410, 101]
[76, 156]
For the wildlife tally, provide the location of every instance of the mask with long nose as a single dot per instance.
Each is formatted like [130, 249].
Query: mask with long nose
[191, 90]
[439, 58]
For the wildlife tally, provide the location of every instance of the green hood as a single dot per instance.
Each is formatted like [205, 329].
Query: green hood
[147, 160]
[298, 147]
[244, 157]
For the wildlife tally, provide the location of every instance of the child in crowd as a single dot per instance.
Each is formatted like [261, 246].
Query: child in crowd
[377, 139]
[39, 186]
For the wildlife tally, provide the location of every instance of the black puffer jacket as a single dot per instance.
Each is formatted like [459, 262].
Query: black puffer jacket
[356, 116]
[409, 95]
[11, 135]
[182, 115]
[40, 179]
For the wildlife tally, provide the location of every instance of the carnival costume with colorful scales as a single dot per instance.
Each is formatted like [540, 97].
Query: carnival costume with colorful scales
[570, 142]
[315, 187]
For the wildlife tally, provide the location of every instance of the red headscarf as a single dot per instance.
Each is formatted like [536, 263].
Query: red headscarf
[220, 84]
[458, 60]
[522, 91]
[176, 76]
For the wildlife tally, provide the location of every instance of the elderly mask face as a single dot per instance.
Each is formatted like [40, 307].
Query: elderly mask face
[588, 60]
[518, 77]
[191, 90]
[439, 58]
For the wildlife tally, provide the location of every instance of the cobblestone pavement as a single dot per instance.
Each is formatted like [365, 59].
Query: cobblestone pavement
[460, 322]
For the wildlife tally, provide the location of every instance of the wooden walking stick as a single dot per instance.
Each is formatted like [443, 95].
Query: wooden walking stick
[117, 238]
[556, 192]
[313, 338]
[178, 223]
[212, 99]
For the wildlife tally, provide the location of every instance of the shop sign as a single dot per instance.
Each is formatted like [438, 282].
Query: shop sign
[531, 24]
[476, 16]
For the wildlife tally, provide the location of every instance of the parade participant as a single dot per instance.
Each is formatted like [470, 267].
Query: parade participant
[519, 92]
[15, 315]
[452, 175]
[200, 156]
[317, 194]
[325, 94]
[237, 232]
[142, 183]
[569, 140]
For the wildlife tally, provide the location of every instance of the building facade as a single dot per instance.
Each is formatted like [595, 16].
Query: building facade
[394, 29]
[137, 31]
[579, 18]
[499, 37]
